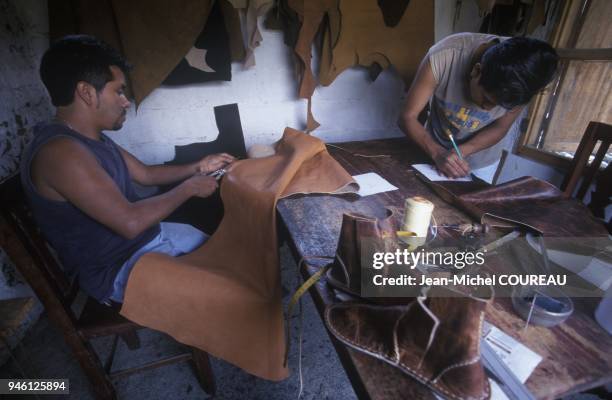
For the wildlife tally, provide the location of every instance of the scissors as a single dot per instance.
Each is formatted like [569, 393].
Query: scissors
[218, 173]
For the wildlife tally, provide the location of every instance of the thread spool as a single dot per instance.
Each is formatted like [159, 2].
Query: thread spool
[417, 215]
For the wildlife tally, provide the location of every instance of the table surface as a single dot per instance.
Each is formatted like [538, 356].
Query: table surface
[577, 355]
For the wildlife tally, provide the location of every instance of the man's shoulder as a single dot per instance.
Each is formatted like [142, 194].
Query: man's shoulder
[464, 41]
[58, 153]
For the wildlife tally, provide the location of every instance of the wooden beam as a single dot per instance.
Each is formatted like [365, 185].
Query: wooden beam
[585, 54]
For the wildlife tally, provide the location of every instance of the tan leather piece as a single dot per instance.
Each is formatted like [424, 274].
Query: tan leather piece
[311, 13]
[154, 35]
[365, 39]
[225, 297]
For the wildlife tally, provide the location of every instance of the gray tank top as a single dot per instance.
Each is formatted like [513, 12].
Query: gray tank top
[86, 247]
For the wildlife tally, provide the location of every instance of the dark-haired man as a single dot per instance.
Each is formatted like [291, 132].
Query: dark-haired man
[79, 182]
[476, 86]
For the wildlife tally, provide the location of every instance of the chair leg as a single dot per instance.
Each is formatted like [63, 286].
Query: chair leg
[92, 366]
[204, 371]
[131, 339]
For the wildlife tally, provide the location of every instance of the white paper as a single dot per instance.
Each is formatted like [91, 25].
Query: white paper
[372, 183]
[431, 173]
[519, 358]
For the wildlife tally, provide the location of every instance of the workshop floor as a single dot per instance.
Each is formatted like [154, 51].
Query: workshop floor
[44, 354]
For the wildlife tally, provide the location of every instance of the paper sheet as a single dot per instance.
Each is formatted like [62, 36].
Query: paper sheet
[431, 173]
[372, 183]
[518, 357]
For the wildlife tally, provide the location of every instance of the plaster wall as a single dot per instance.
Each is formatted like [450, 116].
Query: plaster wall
[23, 99]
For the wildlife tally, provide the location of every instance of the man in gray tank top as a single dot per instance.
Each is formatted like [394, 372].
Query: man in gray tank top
[476, 86]
[79, 182]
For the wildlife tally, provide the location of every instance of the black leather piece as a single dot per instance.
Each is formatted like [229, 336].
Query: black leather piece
[206, 214]
[215, 40]
[393, 10]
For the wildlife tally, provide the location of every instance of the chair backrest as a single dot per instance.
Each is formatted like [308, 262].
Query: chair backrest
[595, 132]
[26, 247]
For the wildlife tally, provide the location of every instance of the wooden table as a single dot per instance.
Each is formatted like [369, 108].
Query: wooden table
[577, 355]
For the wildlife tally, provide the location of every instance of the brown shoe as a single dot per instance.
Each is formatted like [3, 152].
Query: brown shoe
[435, 340]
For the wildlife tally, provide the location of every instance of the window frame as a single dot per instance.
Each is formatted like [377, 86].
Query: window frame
[566, 33]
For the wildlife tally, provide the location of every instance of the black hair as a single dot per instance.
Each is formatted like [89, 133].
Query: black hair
[77, 58]
[514, 70]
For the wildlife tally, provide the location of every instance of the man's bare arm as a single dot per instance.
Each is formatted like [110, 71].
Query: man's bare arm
[420, 92]
[64, 169]
[149, 175]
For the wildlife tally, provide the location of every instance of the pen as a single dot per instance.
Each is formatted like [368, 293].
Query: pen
[452, 139]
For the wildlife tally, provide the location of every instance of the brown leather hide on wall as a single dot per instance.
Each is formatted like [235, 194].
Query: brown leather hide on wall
[365, 39]
[154, 35]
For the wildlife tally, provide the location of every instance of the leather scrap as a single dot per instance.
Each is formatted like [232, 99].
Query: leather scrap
[365, 39]
[392, 10]
[209, 59]
[252, 9]
[154, 35]
[311, 14]
[232, 25]
[225, 297]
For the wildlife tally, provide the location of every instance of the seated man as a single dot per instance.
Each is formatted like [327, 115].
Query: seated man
[79, 182]
[476, 86]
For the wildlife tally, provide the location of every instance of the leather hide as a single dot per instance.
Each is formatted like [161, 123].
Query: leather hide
[225, 297]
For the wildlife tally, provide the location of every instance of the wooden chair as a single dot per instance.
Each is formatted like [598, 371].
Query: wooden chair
[33, 257]
[595, 132]
[580, 169]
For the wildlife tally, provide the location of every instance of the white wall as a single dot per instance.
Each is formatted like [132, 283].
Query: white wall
[352, 108]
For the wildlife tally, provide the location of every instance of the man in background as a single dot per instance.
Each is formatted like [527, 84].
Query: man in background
[476, 86]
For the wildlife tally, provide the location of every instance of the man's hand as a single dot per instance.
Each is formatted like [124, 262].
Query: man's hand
[449, 164]
[213, 162]
[202, 185]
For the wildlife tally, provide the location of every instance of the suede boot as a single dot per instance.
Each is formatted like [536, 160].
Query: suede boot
[434, 339]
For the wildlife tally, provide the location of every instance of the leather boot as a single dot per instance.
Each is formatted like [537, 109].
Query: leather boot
[434, 339]
[360, 237]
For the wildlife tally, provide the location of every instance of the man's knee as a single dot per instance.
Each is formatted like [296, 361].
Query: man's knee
[183, 237]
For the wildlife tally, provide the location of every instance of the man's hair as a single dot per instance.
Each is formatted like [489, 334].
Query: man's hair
[514, 70]
[77, 58]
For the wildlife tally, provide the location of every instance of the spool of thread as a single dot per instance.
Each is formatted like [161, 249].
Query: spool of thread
[417, 215]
